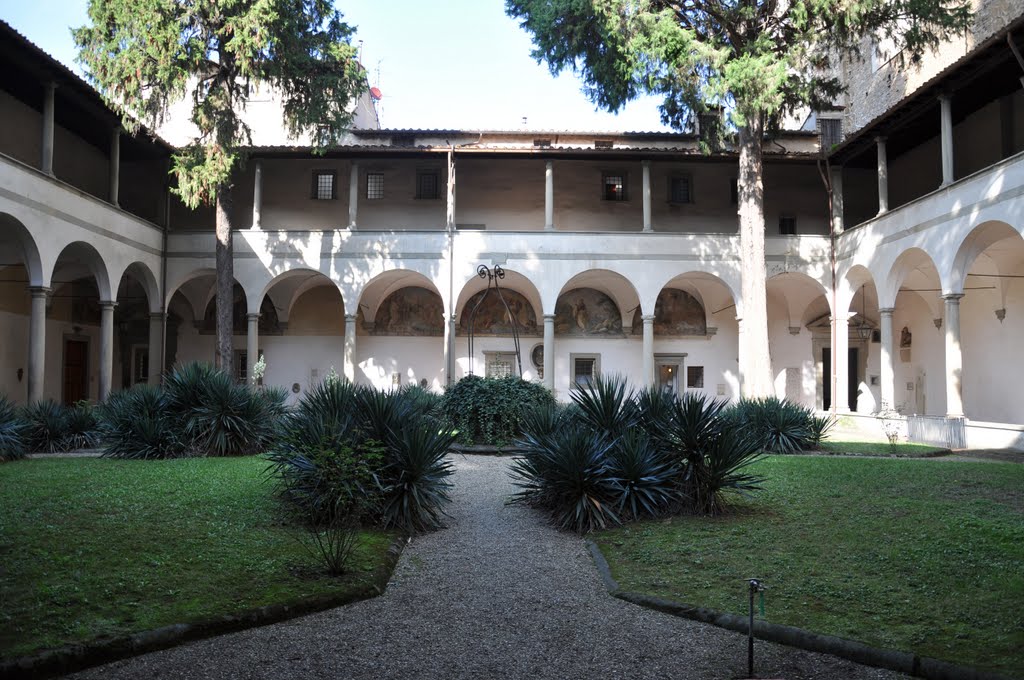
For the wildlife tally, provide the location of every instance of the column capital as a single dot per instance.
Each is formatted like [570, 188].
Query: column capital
[38, 291]
[647, 318]
[880, 139]
[252, 316]
[157, 316]
[351, 318]
[549, 317]
[646, 163]
[952, 297]
[108, 304]
[886, 310]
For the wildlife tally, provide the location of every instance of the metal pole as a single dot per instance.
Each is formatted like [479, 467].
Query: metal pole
[750, 633]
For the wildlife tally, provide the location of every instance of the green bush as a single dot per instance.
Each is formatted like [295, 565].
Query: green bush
[780, 425]
[12, 431]
[138, 424]
[55, 428]
[490, 410]
[393, 435]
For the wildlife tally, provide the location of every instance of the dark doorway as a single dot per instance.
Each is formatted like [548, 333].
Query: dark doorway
[852, 379]
[76, 371]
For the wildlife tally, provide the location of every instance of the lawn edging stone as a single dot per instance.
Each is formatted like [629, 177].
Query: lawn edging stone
[73, 658]
[902, 662]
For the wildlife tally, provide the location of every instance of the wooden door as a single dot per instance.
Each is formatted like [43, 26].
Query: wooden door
[76, 371]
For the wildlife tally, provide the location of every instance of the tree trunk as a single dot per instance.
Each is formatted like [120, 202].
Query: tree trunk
[225, 279]
[754, 358]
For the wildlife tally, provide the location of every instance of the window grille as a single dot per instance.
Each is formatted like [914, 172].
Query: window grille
[614, 187]
[695, 377]
[375, 185]
[680, 190]
[427, 185]
[324, 185]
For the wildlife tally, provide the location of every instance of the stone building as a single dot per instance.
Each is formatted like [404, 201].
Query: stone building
[619, 251]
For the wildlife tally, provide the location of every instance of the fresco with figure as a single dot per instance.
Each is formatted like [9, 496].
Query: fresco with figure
[267, 325]
[409, 311]
[493, 319]
[675, 313]
[585, 311]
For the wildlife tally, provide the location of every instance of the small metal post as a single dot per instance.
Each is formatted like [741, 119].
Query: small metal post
[755, 587]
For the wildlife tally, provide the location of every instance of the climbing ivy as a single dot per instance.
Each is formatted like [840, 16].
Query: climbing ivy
[490, 410]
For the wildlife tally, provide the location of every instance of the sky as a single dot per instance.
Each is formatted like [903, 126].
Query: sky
[439, 64]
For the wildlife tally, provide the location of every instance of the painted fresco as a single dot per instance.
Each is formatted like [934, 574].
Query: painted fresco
[409, 311]
[493, 319]
[585, 311]
[676, 313]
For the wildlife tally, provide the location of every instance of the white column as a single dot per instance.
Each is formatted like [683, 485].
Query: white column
[115, 164]
[549, 351]
[350, 348]
[883, 176]
[37, 343]
[841, 397]
[106, 379]
[888, 374]
[954, 358]
[257, 196]
[156, 347]
[48, 97]
[648, 320]
[252, 344]
[549, 195]
[946, 137]
[449, 348]
[837, 200]
[353, 195]
[647, 196]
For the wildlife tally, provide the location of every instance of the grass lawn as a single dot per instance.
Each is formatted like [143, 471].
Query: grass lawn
[91, 548]
[860, 448]
[918, 555]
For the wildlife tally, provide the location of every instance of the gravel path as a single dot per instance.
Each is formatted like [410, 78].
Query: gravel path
[496, 594]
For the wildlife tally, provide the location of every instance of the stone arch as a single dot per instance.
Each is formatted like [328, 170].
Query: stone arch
[286, 288]
[141, 272]
[697, 279]
[513, 281]
[615, 286]
[791, 291]
[377, 290]
[981, 238]
[82, 258]
[913, 267]
[14, 236]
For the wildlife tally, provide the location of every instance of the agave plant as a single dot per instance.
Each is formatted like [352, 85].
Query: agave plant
[781, 425]
[46, 424]
[606, 404]
[819, 429]
[137, 424]
[12, 431]
[647, 479]
[417, 478]
[383, 414]
[81, 428]
[654, 408]
[721, 471]
[568, 473]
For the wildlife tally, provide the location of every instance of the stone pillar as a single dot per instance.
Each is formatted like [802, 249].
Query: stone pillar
[252, 344]
[37, 343]
[946, 137]
[837, 200]
[648, 320]
[350, 348]
[954, 358]
[46, 165]
[883, 177]
[106, 379]
[549, 195]
[449, 348]
[647, 196]
[841, 397]
[353, 195]
[888, 374]
[156, 348]
[115, 164]
[549, 351]
[257, 195]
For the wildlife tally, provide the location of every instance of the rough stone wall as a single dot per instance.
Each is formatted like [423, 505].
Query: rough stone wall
[872, 92]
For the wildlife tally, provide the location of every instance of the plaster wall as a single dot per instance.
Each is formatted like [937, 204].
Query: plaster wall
[21, 135]
[991, 353]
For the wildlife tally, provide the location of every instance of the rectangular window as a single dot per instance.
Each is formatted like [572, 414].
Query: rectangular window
[830, 131]
[695, 377]
[325, 183]
[585, 368]
[680, 189]
[613, 186]
[787, 226]
[428, 185]
[243, 367]
[499, 364]
[140, 364]
[374, 185]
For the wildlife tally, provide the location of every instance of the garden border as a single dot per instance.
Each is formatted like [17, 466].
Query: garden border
[902, 662]
[73, 658]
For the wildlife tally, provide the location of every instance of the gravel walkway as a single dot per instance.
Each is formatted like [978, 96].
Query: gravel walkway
[496, 594]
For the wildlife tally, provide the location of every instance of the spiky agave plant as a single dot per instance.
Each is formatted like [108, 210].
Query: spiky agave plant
[46, 426]
[137, 424]
[12, 431]
[648, 479]
[607, 405]
[417, 472]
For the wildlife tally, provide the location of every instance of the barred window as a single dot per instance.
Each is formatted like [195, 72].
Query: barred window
[375, 185]
[695, 377]
[614, 187]
[325, 184]
[680, 189]
[585, 368]
[428, 185]
[499, 364]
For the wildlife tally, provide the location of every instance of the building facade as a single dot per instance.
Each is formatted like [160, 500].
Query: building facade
[894, 253]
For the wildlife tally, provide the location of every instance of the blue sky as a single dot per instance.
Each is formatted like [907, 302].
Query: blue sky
[445, 63]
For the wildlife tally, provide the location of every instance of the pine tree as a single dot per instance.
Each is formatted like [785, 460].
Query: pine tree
[145, 55]
[756, 60]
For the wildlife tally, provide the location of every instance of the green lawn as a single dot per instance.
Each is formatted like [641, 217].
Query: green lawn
[91, 548]
[901, 450]
[919, 555]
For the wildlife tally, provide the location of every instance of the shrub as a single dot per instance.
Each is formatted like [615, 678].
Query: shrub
[490, 410]
[137, 424]
[417, 478]
[54, 428]
[12, 431]
[780, 425]
[819, 428]
[607, 405]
